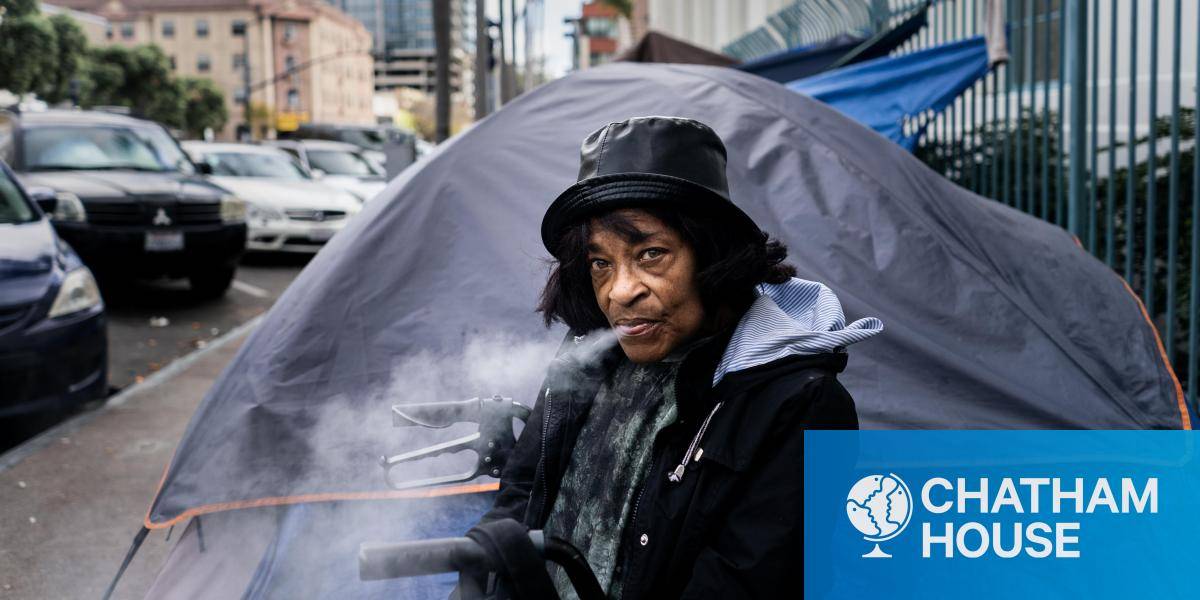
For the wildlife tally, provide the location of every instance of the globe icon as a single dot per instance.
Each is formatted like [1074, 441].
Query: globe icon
[879, 507]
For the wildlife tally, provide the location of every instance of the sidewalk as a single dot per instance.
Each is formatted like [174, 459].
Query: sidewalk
[72, 498]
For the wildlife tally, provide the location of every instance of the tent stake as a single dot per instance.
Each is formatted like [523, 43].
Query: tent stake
[133, 548]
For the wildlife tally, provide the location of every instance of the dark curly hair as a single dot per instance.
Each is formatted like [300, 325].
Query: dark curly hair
[729, 266]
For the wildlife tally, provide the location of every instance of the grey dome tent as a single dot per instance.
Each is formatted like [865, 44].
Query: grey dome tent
[994, 319]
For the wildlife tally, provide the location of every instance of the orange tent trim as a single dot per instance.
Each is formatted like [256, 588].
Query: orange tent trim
[432, 492]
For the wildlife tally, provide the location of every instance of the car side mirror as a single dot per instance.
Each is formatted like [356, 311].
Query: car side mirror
[204, 168]
[45, 198]
[318, 173]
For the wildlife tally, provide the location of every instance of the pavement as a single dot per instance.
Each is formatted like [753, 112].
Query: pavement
[72, 498]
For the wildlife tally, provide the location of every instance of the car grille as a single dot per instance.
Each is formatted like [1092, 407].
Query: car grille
[147, 213]
[12, 315]
[315, 215]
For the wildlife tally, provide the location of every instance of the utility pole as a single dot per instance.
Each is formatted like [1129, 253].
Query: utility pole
[512, 36]
[441, 39]
[244, 31]
[502, 71]
[481, 59]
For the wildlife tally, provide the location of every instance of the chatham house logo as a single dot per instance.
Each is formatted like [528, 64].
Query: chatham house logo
[879, 507]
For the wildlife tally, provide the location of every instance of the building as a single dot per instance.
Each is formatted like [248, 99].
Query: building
[602, 33]
[710, 24]
[302, 60]
[404, 49]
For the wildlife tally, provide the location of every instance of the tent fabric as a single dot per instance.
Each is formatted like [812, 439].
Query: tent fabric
[995, 319]
[845, 49]
[657, 47]
[885, 94]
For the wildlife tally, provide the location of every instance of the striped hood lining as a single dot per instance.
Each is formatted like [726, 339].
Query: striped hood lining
[796, 317]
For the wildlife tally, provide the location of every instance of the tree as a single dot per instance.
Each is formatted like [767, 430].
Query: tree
[138, 78]
[204, 106]
[70, 48]
[27, 50]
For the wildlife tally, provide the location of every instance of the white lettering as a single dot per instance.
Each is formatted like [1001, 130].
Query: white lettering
[997, 541]
[1102, 494]
[1149, 495]
[1060, 494]
[927, 540]
[1007, 496]
[1034, 484]
[925, 495]
[962, 540]
[1034, 538]
[964, 494]
[1061, 540]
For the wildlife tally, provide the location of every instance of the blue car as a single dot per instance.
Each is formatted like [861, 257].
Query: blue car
[53, 337]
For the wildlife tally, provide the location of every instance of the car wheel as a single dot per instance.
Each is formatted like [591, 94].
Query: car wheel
[211, 284]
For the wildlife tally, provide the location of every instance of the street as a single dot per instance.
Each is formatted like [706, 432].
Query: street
[154, 323]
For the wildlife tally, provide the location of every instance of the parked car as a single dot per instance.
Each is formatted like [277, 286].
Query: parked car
[128, 199]
[343, 165]
[53, 340]
[286, 209]
[371, 138]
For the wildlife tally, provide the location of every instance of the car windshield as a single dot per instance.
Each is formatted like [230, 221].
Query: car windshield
[13, 207]
[89, 148]
[341, 162]
[255, 164]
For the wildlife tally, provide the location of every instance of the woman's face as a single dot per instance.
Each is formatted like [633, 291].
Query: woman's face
[645, 286]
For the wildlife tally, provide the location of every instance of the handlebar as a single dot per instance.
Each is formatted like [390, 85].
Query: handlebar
[448, 555]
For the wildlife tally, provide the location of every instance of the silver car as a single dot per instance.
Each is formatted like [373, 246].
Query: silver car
[343, 165]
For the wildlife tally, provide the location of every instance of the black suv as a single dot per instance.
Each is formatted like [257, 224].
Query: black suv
[127, 197]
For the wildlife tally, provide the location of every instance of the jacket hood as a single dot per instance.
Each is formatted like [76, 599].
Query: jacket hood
[797, 317]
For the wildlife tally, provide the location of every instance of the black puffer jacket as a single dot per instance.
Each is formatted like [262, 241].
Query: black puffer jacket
[731, 525]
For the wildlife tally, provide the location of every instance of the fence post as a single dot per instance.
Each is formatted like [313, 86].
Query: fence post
[1078, 152]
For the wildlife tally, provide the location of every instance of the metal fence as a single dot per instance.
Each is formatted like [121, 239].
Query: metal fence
[1091, 125]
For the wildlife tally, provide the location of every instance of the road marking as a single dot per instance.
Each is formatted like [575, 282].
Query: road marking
[252, 290]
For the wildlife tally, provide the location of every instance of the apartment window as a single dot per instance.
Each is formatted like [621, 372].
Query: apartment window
[108, 30]
[239, 60]
[127, 30]
[293, 99]
[289, 32]
[203, 63]
[238, 28]
[289, 63]
[168, 29]
[171, 59]
[239, 95]
[201, 28]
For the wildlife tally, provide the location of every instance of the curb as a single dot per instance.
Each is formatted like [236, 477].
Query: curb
[14, 456]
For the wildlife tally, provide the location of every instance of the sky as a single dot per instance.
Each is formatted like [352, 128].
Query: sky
[557, 45]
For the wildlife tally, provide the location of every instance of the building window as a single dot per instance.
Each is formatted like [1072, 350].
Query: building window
[203, 63]
[289, 32]
[171, 59]
[239, 95]
[127, 30]
[603, 27]
[238, 28]
[108, 30]
[239, 60]
[289, 63]
[201, 28]
[293, 99]
[168, 29]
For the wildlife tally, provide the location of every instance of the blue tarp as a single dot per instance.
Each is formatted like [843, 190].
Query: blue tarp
[885, 93]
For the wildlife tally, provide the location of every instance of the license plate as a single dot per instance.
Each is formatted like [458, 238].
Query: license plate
[320, 235]
[164, 241]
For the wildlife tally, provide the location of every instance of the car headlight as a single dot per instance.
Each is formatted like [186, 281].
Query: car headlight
[233, 209]
[68, 208]
[258, 212]
[78, 292]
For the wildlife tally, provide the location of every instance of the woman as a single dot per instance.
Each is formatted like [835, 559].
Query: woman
[672, 458]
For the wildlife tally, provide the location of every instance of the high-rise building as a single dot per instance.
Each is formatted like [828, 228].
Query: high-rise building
[404, 47]
[306, 60]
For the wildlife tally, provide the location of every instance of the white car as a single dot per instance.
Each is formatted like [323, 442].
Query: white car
[286, 209]
[339, 164]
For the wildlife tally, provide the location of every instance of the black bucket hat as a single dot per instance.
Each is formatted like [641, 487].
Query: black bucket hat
[647, 161]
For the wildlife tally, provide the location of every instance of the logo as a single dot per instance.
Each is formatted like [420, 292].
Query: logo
[161, 218]
[318, 215]
[879, 507]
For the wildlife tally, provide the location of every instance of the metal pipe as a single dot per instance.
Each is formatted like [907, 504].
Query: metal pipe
[1076, 193]
[1173, 189]
[1194, 295]
[1094, 133]
[1152, 166]
[1131, 172]
[1110, 239]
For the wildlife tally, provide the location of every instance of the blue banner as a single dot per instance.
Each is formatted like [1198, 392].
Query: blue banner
[1001, 514]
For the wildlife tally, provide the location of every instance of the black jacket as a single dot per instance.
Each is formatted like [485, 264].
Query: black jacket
[731, 526]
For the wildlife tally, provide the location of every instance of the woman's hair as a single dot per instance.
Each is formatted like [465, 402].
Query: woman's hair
[728, 266]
